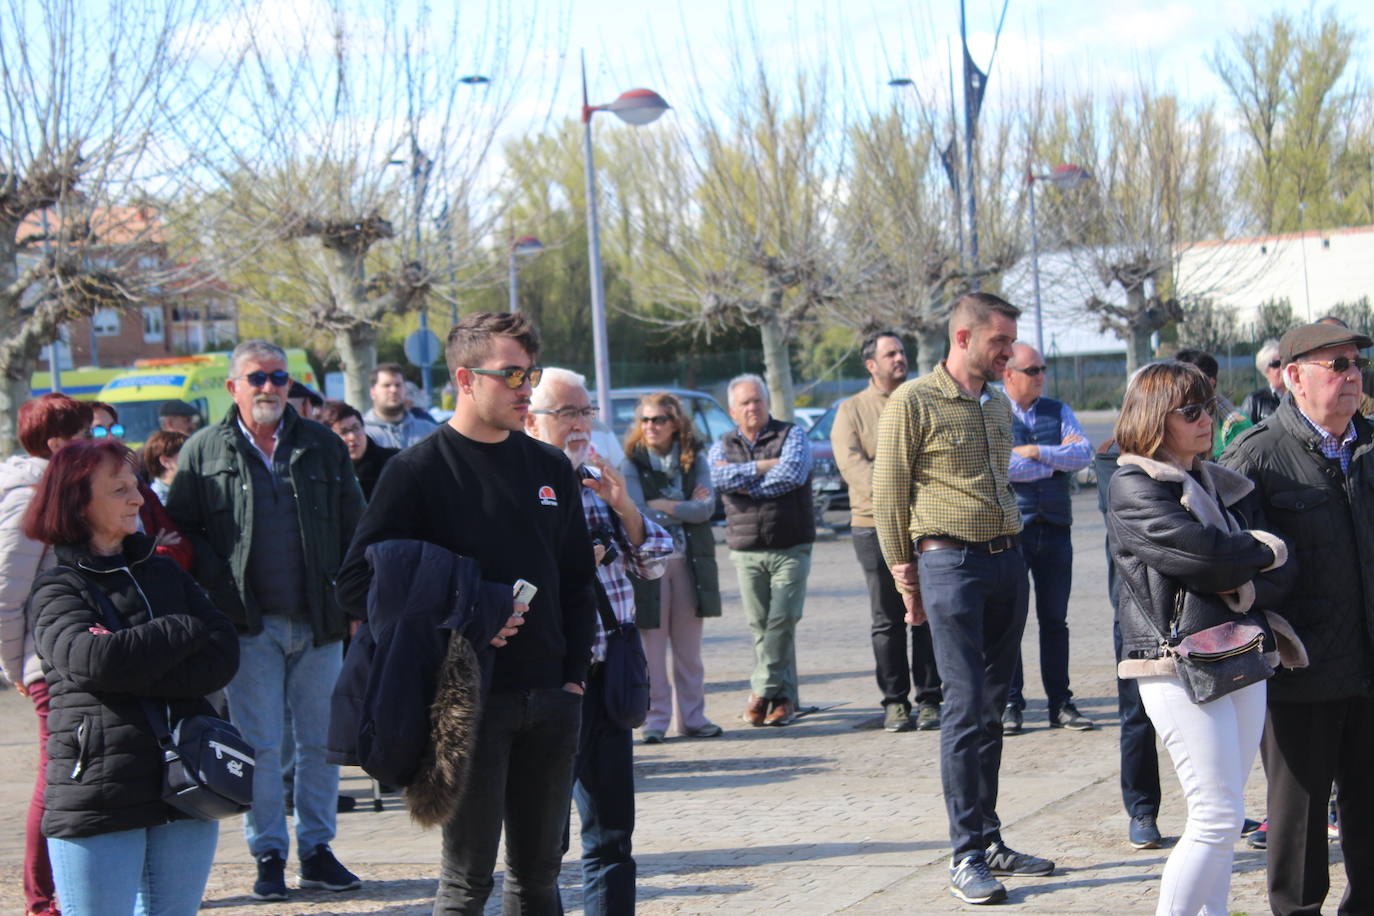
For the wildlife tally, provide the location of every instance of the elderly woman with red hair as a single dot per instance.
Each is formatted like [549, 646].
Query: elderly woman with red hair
[45, 425]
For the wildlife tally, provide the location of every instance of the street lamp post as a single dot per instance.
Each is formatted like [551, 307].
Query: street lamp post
[637, 107]
[527, 246]
[1066, 178]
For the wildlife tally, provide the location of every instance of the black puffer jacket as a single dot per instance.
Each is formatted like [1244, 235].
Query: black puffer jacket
[1329, 518]
[104, 764]
[1165, 536]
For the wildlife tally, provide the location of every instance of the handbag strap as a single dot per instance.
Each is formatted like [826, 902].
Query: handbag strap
[159, 716]
[609, 623]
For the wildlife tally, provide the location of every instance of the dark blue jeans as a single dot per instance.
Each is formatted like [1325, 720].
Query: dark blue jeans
[605, 794]
[1048, 551]
[521, 778]
[1139, 759]
[976, 607]
[896, 675]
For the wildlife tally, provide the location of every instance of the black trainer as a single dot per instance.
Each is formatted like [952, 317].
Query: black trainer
[271, 883]
[971, 882]
[1011, 721]
[319, 868]
[1068, 716]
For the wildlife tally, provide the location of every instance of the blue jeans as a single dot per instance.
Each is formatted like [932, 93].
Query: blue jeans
[1048, 551]
[975, 605]
[520, 778]
[605, 794]
[281, 667]
[155, 871]
[1140, 791]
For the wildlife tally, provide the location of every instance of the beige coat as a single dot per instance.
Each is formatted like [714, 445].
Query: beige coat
[854, 436]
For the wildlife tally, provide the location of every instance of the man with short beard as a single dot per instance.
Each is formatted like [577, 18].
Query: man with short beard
[269, 501]
[948, 524]
[561, 415]
[390, 422]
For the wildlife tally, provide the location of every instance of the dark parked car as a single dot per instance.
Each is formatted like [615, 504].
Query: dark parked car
[829, 489]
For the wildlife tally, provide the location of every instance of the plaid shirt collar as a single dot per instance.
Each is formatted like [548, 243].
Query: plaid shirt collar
[1342, 449]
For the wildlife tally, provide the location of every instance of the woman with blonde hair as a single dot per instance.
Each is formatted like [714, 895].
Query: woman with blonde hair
[665, 470]
[1188, 542]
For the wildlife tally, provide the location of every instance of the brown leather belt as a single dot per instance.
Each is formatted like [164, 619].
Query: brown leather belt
[996, 545]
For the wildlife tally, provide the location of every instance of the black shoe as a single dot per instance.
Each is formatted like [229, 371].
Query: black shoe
[1144, 833]
[928, 717]
[971, 882]
[319, 868]
[1011, 721]
[1068, 716]
[345, 803]
[1249, 826]
[1003, 860]
[1260, 838]
[271, 883]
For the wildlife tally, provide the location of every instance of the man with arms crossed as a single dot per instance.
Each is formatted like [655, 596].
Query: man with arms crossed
[855, 440]
[483, 489]
[1048, 445]
[948, 524]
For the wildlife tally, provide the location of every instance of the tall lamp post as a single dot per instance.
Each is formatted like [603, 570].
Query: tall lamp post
[1066, 178]
[527, 246]
[637, 107]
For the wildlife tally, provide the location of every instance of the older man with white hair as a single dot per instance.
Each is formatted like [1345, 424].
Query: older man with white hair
[762, 470]
[561, 414]
[1263, 401]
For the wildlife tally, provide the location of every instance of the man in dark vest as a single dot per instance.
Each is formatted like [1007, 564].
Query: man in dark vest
[763, 472]
[1047, 446]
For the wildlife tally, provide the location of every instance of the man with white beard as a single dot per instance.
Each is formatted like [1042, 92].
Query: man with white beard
[561, 415]
[270, 501]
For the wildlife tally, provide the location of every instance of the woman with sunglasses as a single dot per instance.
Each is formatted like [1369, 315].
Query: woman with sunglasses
[1187, 540]
[46, 425]
[666, 472]
[116, 625]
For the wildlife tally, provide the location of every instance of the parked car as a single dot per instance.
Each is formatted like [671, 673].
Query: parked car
[829, 491]
[710, 418]
[806, 417]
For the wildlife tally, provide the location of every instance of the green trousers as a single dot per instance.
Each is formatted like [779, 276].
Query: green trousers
[772, 585]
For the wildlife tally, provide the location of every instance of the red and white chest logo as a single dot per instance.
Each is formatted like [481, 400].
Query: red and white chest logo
[547, 497]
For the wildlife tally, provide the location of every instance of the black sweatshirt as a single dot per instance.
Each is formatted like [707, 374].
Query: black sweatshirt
[516, 508]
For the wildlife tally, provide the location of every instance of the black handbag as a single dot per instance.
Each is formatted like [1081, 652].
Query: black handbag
[1218, 660]
[625, 671]
[207, 767]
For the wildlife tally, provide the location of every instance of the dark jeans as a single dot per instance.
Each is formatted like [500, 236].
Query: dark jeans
[521, 778]
[889, 631]
[1139, 760]
[605, 794]
[1048, 551]
[976, 606]
[1305, 747]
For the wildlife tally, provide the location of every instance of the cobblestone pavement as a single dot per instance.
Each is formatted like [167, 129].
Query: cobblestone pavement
[829, 815]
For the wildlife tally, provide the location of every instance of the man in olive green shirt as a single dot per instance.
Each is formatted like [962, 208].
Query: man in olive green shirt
[854, 437]
[941, 496]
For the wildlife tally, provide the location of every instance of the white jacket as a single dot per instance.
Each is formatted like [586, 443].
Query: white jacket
[21, 560]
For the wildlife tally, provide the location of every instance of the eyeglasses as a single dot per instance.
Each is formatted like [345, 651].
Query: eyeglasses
[656, 420]
[1275, 364]
[569, 414]
[515, 377]
[278, 377]
[113, 431]
[1191, 412]
[1341, 364]
[1032, 371]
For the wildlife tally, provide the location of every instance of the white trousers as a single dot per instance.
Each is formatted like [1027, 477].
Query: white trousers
[1213, 748]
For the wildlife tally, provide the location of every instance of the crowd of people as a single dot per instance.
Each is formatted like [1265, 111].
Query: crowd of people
[498, 563]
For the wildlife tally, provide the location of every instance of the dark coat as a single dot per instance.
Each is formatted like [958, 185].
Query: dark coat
[406, 705]
[1259, 404]
[1167, 541]
[104, 764]
[701, 553]
[211, 501]
[1329, 518]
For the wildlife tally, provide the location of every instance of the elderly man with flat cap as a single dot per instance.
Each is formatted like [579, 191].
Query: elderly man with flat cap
[1312, 461]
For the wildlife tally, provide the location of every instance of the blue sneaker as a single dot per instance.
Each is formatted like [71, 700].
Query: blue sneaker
[319, 868]
[271, 883]
[971, 882]
[1003, 860]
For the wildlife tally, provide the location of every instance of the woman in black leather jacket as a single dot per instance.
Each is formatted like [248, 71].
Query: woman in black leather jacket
[1187, 539]
[115, 846]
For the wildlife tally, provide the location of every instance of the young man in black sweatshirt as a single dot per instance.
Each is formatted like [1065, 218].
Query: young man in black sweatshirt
[483, 489]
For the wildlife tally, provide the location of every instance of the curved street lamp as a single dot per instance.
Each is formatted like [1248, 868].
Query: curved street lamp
[527, 246]
[1065, 178]
[637, 107]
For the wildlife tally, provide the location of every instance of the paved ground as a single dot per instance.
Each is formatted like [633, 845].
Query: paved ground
[827, 816]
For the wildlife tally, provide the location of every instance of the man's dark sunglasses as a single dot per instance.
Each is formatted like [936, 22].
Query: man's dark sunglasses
[1032, 371]
[514, 377]
[1275, 363]
[1341, 364]
[114, 431]
[278, 377]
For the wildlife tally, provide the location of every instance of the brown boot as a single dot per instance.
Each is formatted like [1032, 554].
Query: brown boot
[782, 713]
[756, 711]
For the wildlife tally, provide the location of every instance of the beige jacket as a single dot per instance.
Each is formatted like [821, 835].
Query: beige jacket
[854, 437]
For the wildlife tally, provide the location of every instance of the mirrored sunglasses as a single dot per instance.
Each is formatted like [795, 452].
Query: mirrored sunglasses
[113, 431]
[515, 377]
